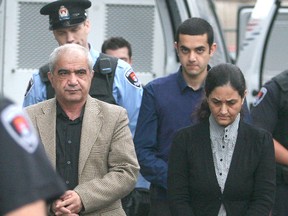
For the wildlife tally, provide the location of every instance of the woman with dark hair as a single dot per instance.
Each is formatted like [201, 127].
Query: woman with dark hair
[222, 166]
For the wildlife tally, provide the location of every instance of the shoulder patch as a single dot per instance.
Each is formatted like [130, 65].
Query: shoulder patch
[261, 94]
[132, 78]
[18, 125]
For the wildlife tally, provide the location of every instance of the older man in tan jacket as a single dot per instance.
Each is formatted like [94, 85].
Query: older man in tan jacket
[88, 141]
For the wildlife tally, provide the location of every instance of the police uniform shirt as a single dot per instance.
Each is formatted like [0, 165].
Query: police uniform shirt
[26, 174]
[264, 111]
[267, 112]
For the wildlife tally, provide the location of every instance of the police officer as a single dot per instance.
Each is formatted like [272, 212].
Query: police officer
[270, 111]
[69, 24]
[137, 203]
[26, 177]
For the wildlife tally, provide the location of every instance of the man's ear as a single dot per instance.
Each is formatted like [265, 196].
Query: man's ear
[87, 25]
[176, 45]
[50, 77]
[213, 49]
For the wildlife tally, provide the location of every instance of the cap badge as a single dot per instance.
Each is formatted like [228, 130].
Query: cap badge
[63, 13]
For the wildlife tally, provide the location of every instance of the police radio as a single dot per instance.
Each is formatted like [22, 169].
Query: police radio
[105, 66]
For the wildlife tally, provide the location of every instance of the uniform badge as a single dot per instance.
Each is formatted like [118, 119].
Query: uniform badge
[132, 78]
[261, 94]
[18, 125]
[63, 13]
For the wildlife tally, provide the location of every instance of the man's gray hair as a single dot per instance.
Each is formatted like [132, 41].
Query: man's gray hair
[66, 49]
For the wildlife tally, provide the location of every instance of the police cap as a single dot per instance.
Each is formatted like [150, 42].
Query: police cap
[65, 13]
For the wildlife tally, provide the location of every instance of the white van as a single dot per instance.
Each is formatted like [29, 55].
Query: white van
[25, 41]
[262, 43]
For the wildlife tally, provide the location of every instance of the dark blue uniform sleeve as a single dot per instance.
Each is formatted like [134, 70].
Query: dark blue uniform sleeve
[26, 173]
[264, 111]
[153, 168]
